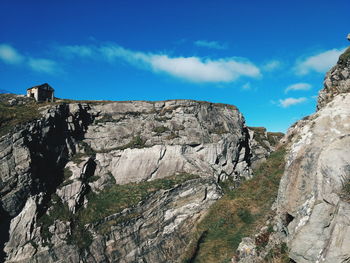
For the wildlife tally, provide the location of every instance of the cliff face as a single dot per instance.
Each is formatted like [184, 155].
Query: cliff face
[314, 193]
[337, 80]
[312, 208]
[118, 181]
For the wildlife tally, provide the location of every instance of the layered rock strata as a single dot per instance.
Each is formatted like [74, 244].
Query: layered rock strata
[53, 169]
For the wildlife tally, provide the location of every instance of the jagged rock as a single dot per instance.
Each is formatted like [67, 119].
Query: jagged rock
[262, 143]
[21, 244]
[312, 208]
[337, 80]
[77, 149]
[247, 250]
[310, 194]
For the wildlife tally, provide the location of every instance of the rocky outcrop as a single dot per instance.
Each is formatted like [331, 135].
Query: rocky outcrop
[313, 201]
[262, 143]
[310, 200]
[172, 153]
[337, 80]
[312, 210]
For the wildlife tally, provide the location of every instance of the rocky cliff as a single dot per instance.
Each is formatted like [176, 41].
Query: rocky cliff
[118, 181]
[312, 210]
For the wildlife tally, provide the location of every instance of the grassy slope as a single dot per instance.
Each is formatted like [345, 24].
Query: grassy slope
[238, 214]
[11, 116]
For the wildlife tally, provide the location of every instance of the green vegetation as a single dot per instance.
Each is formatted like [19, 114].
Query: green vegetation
[160, 129]
[274, 137]
[67, 173]
[161, 119]
[219, 129]
[172, 136]
[87, 149]
[81, 237]
[57, 211]
[346, 55]
[78, 157]
[105, 118]
[110, 201]
[136, 142]
[10, 116]
[347, 188]
[260, 135]
[118, 197]
[238, 214]
[278, 254]
[92, 178]
[345, 195]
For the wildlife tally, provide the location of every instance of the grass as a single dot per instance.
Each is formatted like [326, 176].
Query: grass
[346, 55]
[109, 201]
[67, 173]
[160, 129]
[10, 116]
[78, 157]
[278, 254]
[57, 211]
[345, 193]
[347, 188]
[105, 118]
[238, 214]
[118, 197]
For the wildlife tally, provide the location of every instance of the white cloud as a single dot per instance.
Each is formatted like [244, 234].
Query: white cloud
[272, 65]
[298, 86]
[210, 44]
[193, 69]
[43, 65]
[198, 70]
[291, 101]
[82, 51]
[10, 55]
[320, 62]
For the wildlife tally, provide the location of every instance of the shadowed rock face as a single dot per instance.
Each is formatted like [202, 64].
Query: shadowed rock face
[51, 170]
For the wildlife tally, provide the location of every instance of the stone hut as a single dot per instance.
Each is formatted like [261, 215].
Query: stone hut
[43, 92]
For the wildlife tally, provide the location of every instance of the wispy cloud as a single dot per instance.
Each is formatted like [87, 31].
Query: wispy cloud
[298, 86]
[272, 65]
[285, 103]
[10, 55]
[210, 44]
[83, 51]
[320, 62]
[43, 65]
[246, 86]
[194, 69]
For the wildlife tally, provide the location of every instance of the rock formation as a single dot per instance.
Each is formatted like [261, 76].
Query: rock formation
[312, 208]
[118, 181]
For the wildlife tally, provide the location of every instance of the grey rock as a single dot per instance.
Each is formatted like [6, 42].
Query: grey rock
[311, 188]
[76, 149]
[312, 207]
[337, 81]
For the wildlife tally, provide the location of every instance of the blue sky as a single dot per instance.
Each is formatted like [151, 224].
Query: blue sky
[266, 57]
